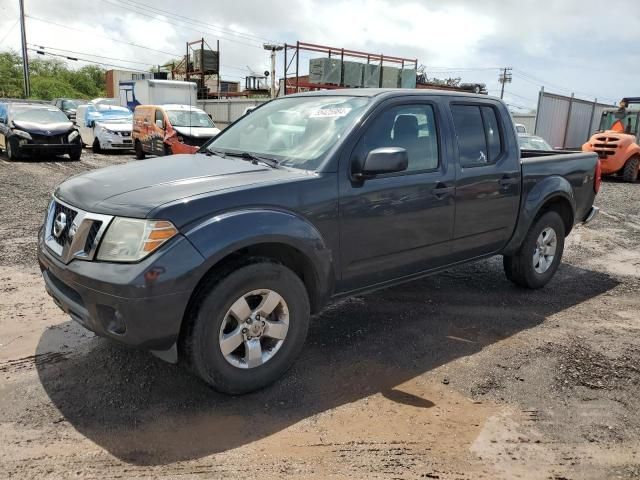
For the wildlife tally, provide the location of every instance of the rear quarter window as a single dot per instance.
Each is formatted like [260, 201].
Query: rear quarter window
[478, 135]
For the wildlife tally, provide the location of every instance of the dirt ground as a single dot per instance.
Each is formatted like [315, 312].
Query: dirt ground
[457, 376]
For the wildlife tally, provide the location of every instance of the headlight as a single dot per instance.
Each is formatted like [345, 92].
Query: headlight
[73, 135]
[131, 239]
[23, 134]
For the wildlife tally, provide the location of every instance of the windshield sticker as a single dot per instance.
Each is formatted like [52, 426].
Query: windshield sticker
[330, 112]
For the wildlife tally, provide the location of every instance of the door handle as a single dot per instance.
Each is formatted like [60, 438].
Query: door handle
[442, 191]
[505, 182]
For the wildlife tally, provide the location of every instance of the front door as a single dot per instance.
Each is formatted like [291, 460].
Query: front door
[488, 182]
[397, 224]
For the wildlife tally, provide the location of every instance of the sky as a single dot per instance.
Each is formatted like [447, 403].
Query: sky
[584, 47]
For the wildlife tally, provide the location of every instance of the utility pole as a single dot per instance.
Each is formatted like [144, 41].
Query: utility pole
[274, 48]
[25, 58]
[505, 77]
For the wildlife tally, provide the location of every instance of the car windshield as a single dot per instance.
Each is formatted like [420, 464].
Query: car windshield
[69, 104]
[189, 118]
[623, 121]
[296, 131]
[39, 115]
[533, 143]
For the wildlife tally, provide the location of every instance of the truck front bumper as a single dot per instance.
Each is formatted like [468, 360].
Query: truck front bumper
[139, 304]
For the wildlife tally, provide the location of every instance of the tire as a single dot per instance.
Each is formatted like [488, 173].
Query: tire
[630, 172]
[167, 150]
[13, 149]
[75, 154]
[139, 151]
[96, 146]
[520, 268]
[211, 319]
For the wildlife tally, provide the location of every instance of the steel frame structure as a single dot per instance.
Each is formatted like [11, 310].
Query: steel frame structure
[293, 83]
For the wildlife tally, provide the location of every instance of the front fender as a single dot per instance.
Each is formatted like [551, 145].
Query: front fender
[218, 236]
[536, 197]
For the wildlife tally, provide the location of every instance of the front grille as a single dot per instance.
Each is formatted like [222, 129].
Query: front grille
[49, 139]
[70, 215]
[195, 141]
[92, 235]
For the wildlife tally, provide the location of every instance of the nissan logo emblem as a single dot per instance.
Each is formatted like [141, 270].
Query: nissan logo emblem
[59, 224]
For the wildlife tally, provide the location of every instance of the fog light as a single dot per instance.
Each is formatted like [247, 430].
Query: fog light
[112, 320]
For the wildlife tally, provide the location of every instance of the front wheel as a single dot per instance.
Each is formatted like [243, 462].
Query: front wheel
[96, 146]
[75, 154]
[247, 329]
[12, 149]
[538, 258]
[139, 151]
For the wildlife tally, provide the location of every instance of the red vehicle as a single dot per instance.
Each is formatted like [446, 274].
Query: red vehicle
[170, 129]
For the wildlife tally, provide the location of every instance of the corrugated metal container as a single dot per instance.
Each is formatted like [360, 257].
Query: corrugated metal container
[390, 77]
[325, 70]
[353, 74]
[210, 58]
[408, 78]
[567, 122]
[371, 76]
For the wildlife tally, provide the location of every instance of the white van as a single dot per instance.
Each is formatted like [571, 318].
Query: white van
[105, 127]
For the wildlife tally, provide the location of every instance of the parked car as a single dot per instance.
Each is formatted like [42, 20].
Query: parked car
[533, 142]
[105, 127]
[520, 128]
[170, 129]
[68, 106]
[219, 259]
[31, 129]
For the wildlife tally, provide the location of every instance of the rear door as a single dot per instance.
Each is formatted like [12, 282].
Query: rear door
[397, 224]
[488, 180]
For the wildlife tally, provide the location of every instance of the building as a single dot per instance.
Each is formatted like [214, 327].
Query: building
[114, 77]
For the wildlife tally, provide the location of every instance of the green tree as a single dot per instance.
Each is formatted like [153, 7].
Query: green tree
[49, 78]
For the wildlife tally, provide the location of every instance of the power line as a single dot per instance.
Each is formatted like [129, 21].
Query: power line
[104, 36]
[43, 47]
[9, 31]
[540, 82]
[247, 36]
[77, 59]
[147, 13]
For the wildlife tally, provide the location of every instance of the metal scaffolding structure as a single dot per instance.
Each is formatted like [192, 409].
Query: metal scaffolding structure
[294, 82]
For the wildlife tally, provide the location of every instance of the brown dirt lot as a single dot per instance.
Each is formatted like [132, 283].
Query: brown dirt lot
[456, 376]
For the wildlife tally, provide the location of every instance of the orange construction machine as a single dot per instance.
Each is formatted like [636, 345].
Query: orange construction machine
[617, 141]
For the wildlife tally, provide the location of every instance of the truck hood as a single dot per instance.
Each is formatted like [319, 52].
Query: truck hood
[136, 188]
[197, 132]
[43, 128]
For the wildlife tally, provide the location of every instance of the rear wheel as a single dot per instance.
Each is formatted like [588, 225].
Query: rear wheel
[167, 150]
[630, 172]
[537, 259]
[139, 151]
[247, 328]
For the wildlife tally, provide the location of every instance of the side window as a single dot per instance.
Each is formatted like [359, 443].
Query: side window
[160, 116]
[492, 131]
[411, 127]
[478, 134]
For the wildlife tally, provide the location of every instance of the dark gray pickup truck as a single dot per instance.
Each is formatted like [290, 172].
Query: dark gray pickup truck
[218, 259]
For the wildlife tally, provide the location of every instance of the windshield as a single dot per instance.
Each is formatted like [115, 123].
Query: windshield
[70, 104]
[297, 131]
[533, 143]
[40, 115]
[628, 121]
[189, 118]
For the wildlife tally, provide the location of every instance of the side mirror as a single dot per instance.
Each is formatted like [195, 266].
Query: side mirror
[160, 124]
[90, 123]
[3, 120]
[384, 160]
